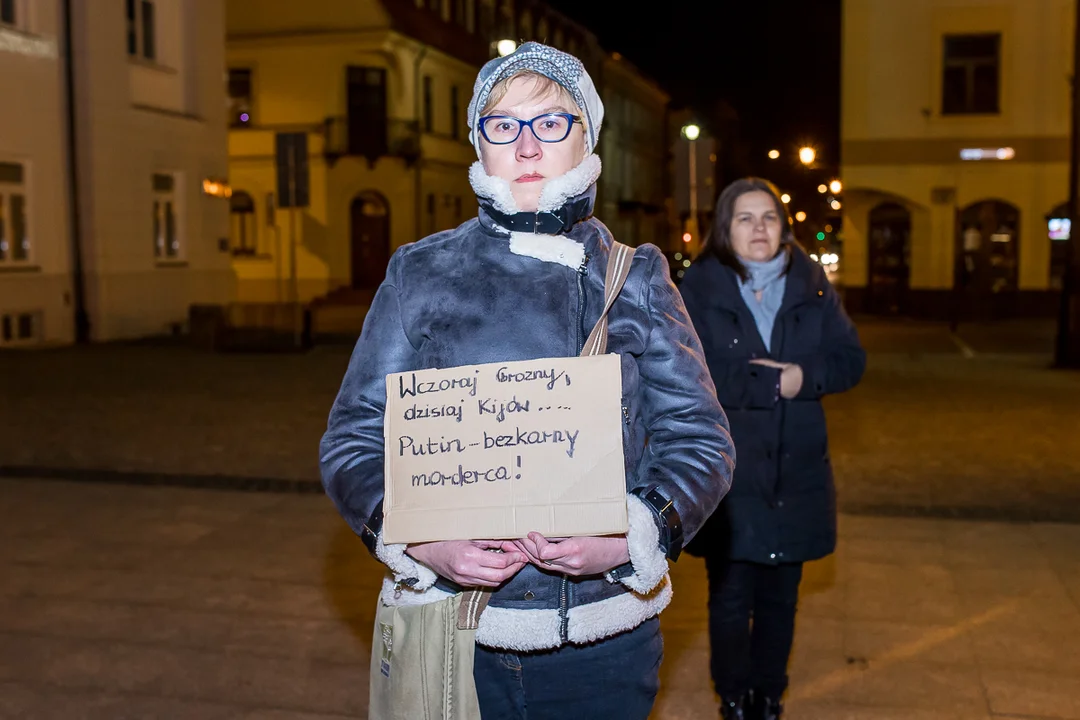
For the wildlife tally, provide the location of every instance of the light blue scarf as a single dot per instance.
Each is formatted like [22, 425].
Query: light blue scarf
[769, 278]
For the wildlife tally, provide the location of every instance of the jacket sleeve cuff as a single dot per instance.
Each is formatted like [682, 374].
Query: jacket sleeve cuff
[404, 568]
[764, 386]
[648, 562]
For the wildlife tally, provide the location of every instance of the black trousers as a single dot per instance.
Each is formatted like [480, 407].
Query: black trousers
[751, 625]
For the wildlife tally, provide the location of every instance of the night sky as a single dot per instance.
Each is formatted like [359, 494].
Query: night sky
[776, 62]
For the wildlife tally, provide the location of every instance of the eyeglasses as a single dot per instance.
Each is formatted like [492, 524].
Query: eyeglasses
[549, 128]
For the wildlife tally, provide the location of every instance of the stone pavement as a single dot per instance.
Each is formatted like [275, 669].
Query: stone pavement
[121, 602]
[931, 431]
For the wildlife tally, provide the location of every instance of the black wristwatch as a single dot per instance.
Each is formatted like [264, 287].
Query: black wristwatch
[667, 519]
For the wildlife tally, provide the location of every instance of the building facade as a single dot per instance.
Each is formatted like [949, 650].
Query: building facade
[108, 232]
[955, 123]
[379, 90]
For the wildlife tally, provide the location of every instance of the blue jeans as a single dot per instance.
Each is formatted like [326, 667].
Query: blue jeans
[612, 679]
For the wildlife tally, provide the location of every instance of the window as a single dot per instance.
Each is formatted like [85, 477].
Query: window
[14, 234]
[455, 112]
[239, 97]
[542, 30]
[166, 240]
[7, 12]
[525, 29]
[431, 213]
[141, 35]
[429, 119]
[971, 77]
[457, 210]
[459, 10]
[245, 240]
[20, 328]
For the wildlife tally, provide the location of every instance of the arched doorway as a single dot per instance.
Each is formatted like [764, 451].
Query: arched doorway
[889, 258]
[370, 239]
[987, 258]
[1058, 231]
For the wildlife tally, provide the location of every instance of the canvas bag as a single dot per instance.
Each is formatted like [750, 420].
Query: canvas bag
[422, 655]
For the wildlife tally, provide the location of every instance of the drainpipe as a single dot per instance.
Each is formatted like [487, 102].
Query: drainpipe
[78, 280]
[418, 92]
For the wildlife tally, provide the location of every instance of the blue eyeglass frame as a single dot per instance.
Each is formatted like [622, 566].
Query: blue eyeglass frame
[522, 124]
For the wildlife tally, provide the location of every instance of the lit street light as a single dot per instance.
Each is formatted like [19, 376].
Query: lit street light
[692, 132]
[823, 188]
[807, 155]
[800, 216]
[774, 154]
[835, 205]
[835, 187]
[785, 198]
[505, 47]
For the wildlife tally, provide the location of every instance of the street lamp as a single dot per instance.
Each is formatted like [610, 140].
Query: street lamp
[785, 198]
[692, 132]
[835, 187]
[823, 188]
[800, 216]
[807, 155]
[774, 154]
[505, 47]
[835, 205]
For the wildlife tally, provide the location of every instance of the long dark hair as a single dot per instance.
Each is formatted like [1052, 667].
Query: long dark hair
[718, 243]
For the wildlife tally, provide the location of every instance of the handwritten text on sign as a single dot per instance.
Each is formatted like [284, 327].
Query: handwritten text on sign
[499, 450]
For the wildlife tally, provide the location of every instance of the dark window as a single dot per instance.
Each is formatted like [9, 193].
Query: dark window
[242, 209]
[132, 29]
[367, 119]
[7, 11]
[7, 334]
[149, 44]
[239, 97]
[25, 326]
[971, 75]
[458, 12]
[455, 112]
[435, 5]
[431, 213]
[429, 119]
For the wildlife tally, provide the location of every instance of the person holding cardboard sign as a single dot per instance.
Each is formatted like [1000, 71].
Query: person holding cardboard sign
[570, 627]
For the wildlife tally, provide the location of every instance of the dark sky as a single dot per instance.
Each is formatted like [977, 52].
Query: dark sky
[776, 62]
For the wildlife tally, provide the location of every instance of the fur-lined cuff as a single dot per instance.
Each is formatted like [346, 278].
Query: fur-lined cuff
[402, 566]
[643, 542]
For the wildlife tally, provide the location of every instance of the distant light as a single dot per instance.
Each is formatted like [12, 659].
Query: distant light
[807, 155]
[800, 216]
[244, 117]
[774, 154]
[686, 263]
[505, 47]
[691, 132]
[687, 237]
[820, 236]
[814, 257]
[678, 256]
[785, 198]
[1059, 228]
[822, 188]
[835, 187]
[828, 228]
[681, 273]
[1005, 153]
[1001, 238]
[835, 205]
[216, 187]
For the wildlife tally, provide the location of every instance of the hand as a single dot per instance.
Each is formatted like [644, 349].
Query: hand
[471, 563]
[576, 556]
[791, 376]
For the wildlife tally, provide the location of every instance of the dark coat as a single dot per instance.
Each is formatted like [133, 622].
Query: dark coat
[782, 503]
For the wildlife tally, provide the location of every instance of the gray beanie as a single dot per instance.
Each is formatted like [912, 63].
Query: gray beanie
[563, 68]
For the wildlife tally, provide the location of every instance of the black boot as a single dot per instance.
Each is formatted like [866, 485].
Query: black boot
[733, 709]
[763, 707]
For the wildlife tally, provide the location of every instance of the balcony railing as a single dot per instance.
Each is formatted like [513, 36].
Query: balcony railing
[371, 139]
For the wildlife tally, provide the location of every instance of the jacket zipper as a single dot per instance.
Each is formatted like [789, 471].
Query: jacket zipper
[564, 585]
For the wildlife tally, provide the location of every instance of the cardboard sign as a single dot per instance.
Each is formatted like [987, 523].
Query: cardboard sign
[496, 451]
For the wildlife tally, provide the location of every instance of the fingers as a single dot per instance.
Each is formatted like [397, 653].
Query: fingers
[490, 577]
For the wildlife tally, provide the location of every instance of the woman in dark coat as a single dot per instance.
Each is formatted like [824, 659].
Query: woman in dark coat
[776, 341]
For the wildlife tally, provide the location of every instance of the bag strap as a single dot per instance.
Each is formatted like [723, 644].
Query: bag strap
[618, 270]
[474, 601]
[472, 604]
